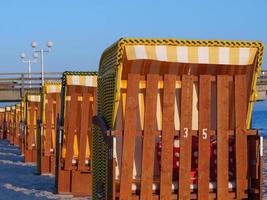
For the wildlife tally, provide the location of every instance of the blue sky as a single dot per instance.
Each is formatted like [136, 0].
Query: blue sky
[82, 29]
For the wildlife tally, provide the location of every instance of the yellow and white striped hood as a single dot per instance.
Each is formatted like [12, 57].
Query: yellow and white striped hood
[89, 80]
[192, 54]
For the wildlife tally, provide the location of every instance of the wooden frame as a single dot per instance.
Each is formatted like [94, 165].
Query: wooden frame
[7, 123]
[33, 112]
[51, 104]
[2, 122]
[22, 129]
[154, 92]
[245, 183]
[17, 121]
[73, 172]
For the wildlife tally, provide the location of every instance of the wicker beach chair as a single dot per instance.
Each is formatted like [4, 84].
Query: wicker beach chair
[50, 109]
[164, 106]
[32, 114]
[73, 172]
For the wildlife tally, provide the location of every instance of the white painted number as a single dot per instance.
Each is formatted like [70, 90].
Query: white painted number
[204, 133]
[185, 132]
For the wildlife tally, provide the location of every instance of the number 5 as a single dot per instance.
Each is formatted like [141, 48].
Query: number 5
[204, 133]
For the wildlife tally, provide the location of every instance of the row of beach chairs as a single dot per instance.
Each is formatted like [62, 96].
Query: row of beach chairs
[161, 119]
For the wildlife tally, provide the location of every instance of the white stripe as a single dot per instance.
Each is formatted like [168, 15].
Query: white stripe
[89, 81]
[203, 55]
[182, 54]
[140, 52]
[161, 53]
[53, 88]
[75, 80]
[224, 55]
[244, 56]
[261, 146]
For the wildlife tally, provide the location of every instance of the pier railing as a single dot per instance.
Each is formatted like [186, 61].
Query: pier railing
[13, 86]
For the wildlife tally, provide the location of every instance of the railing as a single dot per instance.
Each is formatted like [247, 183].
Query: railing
[15, 85]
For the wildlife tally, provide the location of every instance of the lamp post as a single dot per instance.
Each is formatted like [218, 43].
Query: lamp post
[29, 61]
[41, 52]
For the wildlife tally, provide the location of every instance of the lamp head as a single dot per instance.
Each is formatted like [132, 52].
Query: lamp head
[35, 55]
[34, 44]
[22, 56]
[50, 44]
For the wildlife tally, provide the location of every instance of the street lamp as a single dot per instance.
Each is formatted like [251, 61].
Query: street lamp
[42, 51]
[29, 61]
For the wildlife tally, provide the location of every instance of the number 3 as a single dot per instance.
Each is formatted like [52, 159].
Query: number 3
[185, 132]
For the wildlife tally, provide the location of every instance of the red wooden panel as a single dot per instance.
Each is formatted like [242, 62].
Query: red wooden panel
[83, 128]
[70, 132]
[92, 112]
[56, 114]
[241, 138]
[129, 137]
[48, 114]
[204, 136]
[167, 137]
[31, 127]
[223, 97]
[185, 138]
[149, 136]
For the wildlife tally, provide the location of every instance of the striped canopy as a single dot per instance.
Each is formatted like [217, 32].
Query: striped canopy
[171, 56]
[192, 54]
[84, 80]
[33, 98]
[52, 87]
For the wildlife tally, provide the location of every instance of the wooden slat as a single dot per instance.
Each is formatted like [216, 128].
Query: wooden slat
[70, 132]
[204, 136]
[31, 127]
[129, 137]
[92, 112]
[83, 129]
[222, 136]
[167, 137]
[48, 118]
[56, 114]
[149, 137]
[241, 138]
[185, 138]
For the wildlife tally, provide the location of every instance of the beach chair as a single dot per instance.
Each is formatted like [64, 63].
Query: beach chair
[17, 120]
[12, 125]
[7, 128]
[51, 104]
[32, 114]
[73, 170]
[174, 121]
[2, 123]
[22, 126]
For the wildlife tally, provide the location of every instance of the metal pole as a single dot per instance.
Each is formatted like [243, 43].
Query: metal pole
[42, 65]
[30, 76]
